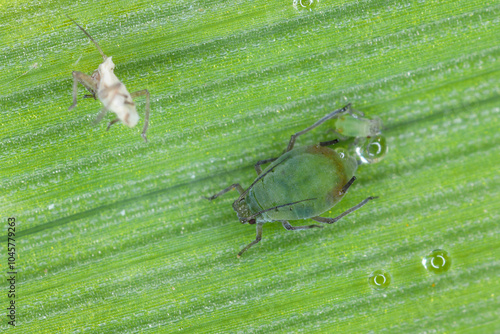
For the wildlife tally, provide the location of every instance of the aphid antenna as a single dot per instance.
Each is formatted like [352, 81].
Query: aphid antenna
[243, 194]
[276, 207]
[88, 35]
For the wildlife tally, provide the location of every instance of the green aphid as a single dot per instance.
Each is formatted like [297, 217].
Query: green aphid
[355, 124]
[301, 184]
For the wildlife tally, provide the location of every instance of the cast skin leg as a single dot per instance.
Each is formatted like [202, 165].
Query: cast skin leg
[86, 81]
[112, 122]
[144, 92]
[101, 115]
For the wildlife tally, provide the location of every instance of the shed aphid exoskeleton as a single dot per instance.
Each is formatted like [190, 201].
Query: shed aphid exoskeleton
[110, 91]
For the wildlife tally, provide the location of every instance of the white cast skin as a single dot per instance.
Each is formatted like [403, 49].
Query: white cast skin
[114, 95]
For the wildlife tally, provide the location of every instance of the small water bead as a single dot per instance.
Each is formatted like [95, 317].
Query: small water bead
[304, 4]
[371, 150]
[437, 262]
[379, 279]
[342, 152]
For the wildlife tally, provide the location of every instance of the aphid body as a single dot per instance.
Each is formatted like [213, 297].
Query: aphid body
[113, 94]
[354, 125]
[301, 184]
[313, 176]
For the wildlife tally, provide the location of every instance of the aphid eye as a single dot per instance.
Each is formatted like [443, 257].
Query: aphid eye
[252, 221]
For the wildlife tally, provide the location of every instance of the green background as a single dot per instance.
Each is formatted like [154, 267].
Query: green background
[112, 233]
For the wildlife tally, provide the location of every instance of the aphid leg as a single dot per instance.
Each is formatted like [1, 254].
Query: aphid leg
[112, 122]
[347, 186]
[146, 117]
[355, 113]
[257, 239]
[85, 80]
[333, 220]
[258, 169]
[328, 143]
[231, 187]
[289, 227]
[318, 123]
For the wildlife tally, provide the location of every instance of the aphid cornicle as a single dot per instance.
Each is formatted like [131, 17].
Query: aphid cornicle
[301, 184]
[104, 85]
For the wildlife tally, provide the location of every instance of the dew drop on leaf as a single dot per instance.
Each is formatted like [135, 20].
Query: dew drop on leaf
[304, 4]
[379, 279]
[371, 150]
[437, 262]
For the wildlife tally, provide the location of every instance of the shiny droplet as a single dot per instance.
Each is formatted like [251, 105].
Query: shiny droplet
[304, 4]
[371, 150]
[342, 152]
[379, 279]
[437, 262]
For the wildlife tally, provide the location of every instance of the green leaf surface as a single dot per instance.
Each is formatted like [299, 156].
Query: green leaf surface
[112, 234]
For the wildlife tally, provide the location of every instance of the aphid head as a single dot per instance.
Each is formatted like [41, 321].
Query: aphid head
[243, 211]
[107, 66]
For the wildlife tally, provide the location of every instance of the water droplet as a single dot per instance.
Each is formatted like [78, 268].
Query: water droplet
[304, 4]
[371, 150]
[341, 151]
[437, 262]
[379, 279]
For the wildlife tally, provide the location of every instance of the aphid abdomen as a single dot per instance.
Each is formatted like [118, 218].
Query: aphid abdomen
[313, 173]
